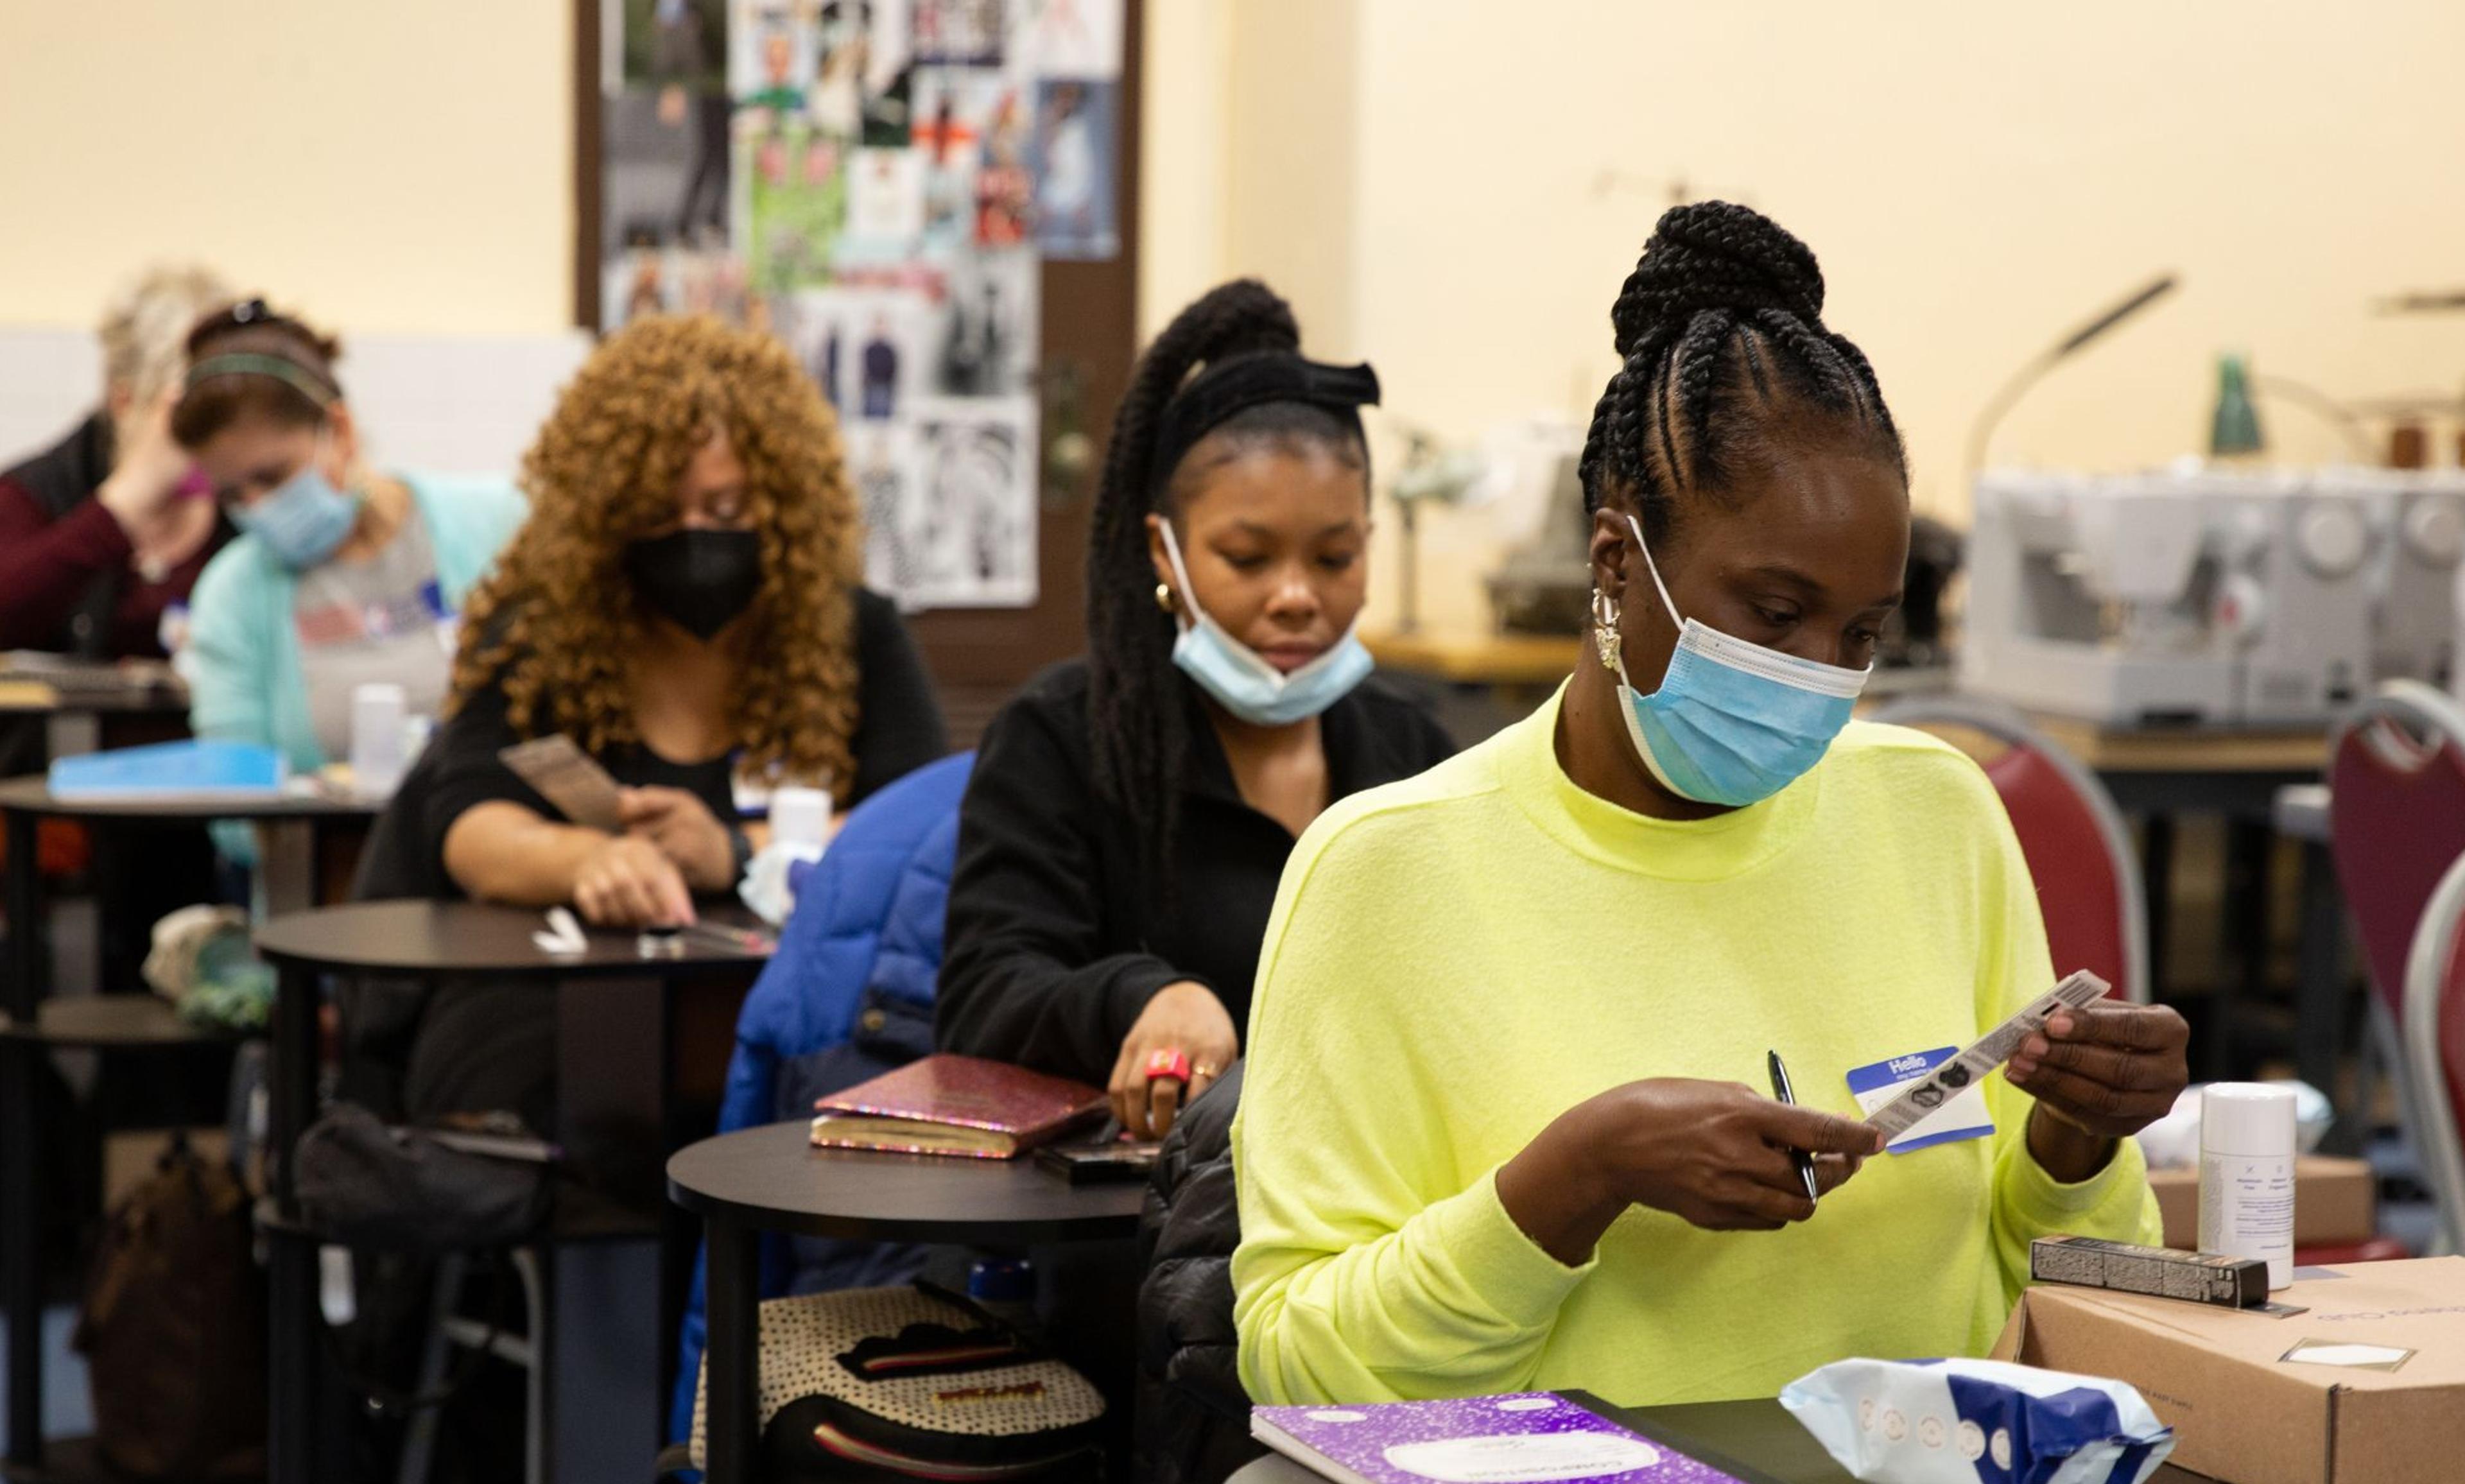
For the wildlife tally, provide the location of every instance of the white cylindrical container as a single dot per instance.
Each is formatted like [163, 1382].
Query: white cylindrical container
[800, 816]
[2247, 1174]
[376, 739]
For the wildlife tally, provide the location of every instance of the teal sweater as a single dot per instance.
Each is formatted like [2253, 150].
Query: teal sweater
[242, 656]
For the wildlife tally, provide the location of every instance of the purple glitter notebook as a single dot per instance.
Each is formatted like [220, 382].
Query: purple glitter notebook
[1524, 1439]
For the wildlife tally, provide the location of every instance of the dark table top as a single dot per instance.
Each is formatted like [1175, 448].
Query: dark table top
[147, 699]
[772, 1178]
[1758, 1441]
[424, 938]
[34, 796]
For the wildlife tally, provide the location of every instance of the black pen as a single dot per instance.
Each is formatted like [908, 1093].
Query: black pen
[1780, 1090]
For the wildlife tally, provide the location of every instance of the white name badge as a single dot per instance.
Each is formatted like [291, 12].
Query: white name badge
[1964, 1117]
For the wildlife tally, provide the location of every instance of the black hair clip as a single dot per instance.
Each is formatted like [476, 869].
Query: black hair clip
[247, 312]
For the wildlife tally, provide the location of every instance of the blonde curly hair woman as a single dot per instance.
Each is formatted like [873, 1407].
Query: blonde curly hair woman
[683, 603]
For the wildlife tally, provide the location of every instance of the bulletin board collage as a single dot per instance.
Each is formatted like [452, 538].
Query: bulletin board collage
[877, 182]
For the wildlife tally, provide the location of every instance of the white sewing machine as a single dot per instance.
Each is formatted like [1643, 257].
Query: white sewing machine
[2418, 559]
[2189, 596]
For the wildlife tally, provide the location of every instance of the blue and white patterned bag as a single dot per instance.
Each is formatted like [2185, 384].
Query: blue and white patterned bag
[1978, 1421]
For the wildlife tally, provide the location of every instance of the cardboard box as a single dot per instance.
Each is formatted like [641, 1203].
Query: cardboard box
[2335, 1202]
[2381, 1400]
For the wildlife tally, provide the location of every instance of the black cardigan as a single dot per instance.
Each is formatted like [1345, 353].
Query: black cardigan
[1053, 946]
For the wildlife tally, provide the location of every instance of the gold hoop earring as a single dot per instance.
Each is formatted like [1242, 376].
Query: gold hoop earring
[1163, 596]
[1604, 634]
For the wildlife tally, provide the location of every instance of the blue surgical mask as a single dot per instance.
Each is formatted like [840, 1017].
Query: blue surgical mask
[1241, 680]
[1733, 723]
[302, 520]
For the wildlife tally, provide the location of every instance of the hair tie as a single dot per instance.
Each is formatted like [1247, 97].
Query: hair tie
[299, 378]
[1210, 399]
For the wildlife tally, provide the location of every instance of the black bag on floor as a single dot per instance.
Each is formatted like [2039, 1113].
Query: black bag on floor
[370, 1185]
[174, 1327]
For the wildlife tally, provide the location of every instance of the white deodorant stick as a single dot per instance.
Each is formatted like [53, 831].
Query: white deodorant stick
[2247, 1175]
[800, 816]
[376, 739]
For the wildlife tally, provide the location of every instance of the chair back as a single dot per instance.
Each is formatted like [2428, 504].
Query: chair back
[2078, 849]
[2396, 819]
[2434, 1047]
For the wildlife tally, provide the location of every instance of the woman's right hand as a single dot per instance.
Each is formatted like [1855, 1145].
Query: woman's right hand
[1186, 1017]
[1718, 1155]
[630, 882]
[145, 476]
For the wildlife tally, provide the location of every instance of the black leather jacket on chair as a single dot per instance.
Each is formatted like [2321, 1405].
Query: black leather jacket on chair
[1193, 1418]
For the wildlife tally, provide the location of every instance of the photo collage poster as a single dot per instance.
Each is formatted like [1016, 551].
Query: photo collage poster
[878, 183]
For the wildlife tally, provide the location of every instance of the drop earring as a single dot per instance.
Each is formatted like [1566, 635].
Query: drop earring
[1163, 597]
[1605, 634]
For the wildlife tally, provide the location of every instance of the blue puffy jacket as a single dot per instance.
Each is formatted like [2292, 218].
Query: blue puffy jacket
[848, 996]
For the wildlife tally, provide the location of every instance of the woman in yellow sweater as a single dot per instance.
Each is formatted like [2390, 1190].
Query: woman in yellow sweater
[1496, 1133]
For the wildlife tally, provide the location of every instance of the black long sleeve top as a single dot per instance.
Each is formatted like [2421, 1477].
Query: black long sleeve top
[1054, 943]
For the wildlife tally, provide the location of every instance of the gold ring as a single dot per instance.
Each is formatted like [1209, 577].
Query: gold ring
[1203, 1070]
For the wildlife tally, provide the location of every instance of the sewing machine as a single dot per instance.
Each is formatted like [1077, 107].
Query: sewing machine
[2417, 562]
[2189, 596]
[1544, 583]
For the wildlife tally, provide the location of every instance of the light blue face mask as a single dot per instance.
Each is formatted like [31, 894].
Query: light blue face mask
[302, 520]
[1733, 723]
[1240, 678]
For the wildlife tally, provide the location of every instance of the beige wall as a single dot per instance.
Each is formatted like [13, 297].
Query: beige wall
[1453, 188]
[1975, 178]
[382, 167]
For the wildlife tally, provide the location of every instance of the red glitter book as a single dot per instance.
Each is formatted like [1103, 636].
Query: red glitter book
[960, 1105]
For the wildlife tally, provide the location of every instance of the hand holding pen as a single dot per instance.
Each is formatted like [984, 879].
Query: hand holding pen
[1788, 1094]
[1718, 1154]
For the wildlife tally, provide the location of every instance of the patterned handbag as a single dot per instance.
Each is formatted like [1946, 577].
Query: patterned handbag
[911, 1383]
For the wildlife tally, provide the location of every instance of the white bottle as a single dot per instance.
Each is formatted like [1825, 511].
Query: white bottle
[800, 817]
[377, 761]
[800, 830]
[2247, 1174]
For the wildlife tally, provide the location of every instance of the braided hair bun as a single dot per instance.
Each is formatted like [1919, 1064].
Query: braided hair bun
[1715, 255]
[1721, 335]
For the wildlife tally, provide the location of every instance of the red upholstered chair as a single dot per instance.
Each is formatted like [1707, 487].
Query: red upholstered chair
[2434, 1046]
[2396, 819]
[2076, 846]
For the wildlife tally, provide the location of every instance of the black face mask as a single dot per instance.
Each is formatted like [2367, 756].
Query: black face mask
[700, 579]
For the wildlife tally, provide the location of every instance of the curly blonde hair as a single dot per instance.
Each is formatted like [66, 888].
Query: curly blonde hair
[555, 620]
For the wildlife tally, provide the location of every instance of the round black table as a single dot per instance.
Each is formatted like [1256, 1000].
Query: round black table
[430, 938]
[55, 685]
[604, 1346]
[771, 1179]
[32, 1023]
[288, 825]
[32, 795]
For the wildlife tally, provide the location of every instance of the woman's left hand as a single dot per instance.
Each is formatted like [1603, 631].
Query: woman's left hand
[686, 831]
[2109, 1070]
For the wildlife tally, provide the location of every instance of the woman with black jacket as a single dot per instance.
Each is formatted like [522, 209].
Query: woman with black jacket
[1130, 813]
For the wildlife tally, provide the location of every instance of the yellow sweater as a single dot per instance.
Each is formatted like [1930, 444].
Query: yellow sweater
[1455, 960]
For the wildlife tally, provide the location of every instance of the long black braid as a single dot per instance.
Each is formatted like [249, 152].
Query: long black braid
[1137, 708]
[1719, 329]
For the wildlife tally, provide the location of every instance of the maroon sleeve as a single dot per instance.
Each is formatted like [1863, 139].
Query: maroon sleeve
[46, 566]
